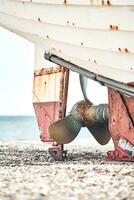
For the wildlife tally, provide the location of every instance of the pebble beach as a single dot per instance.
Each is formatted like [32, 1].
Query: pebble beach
[27, 173]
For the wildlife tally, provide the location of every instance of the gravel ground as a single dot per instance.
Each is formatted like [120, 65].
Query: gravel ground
[26, 173]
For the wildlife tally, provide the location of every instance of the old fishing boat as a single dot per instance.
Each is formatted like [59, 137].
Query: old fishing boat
[94, 38]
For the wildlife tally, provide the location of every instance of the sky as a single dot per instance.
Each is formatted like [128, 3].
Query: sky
[16, 74]
[16, 78]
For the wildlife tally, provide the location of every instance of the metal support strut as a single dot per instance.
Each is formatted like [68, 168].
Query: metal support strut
[58, 153]
[121, 125]
[49, 100]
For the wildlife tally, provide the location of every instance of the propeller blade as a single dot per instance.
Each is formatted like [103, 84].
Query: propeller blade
[100, 129]
[100, 132]
[83, 84]
[65, 130]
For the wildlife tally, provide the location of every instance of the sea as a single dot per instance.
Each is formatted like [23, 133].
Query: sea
[25, 128]
[18, 128]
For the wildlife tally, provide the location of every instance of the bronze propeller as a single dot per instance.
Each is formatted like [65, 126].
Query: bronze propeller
[83, 114]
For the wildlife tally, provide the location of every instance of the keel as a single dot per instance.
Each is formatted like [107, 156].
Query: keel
[50, 88]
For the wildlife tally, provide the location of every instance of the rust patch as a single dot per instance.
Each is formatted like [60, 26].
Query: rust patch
[131, 84]
[126, 50]
[65, 2]
[47, 71]
[39, 20]
[92, 60]
[103, 3]
[123, 50]
[108, 3]
[53, 49]
[114, 27]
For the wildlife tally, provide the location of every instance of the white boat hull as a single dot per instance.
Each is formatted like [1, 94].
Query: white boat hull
[96, 37]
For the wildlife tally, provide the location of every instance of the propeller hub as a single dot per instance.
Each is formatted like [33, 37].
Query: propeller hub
[89, 113]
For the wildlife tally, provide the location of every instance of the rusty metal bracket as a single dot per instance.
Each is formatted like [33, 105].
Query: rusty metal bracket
[57, 153]
[120, 155]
